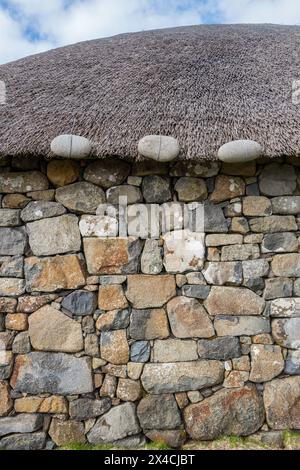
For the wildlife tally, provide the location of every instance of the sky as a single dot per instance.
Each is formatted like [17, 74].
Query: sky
[32, 26]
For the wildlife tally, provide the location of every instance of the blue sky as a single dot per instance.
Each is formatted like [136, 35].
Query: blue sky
[31, 26]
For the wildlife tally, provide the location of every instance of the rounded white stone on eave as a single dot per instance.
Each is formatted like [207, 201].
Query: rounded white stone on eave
[239, 151]
[71, 146]
[161, 148]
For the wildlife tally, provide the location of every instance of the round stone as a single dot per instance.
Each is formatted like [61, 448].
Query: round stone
[71, 146]
[240, 151]
[159, 147]
[191, 189]
[62, 172]
[156, 189]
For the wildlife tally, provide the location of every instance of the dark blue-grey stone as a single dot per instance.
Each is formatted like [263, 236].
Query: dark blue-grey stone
[222, 348]
[292, 365]
[140, 351]
[35, 441]
[196, 291]
[80, 302]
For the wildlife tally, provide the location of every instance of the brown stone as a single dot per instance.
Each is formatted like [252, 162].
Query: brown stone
[170, 438]
[15, 201]
[109, 386]
[266, 362]
[6, 403]
[239, 168]
[53, 274]
[236, 379]
[111, 297]
[53, 405]
[62, 172]
[7, 305]
[282, 404]
[66, 432]
[146, 291]
[227, 187]
[16, 321]
[149, 324]
[129, 390]
[286, 265]
[112, 255]
[29, 304]
[114, 346]
[188, 319]
[257, 206]
[233, 301]
[47, 195]
[22, 182]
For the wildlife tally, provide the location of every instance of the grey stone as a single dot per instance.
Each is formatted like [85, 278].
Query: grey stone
[71, 146]
[140, 351]
[118, 423]
[278, 287]
[183, 251]
[12, 241]
[279, 243]
[82, 198]
[21, 344]
[174, 350]
[54, 373]
[173, 216]
[196, 291]
[257, 284]
[159, 147]
[273, 223]
[296, 288]
[239, 252]
[223, 348]
[22, 182]
[272, 439]
[214, 219]
[144, 220]
[91, 345]
[292, 364]
[156, 189]
[13, 267]
[286, 332]
[151, 260]
[229, 273]
[255, 268]
[194, 278]
[286, 265]
[53, 236]
[131, 442]
[158, 412]
[241, 326]
[10, 286]
[6, 363]
[34, 441]
[37, 210]
[181, 376]
[132, 194]
[113, 320]
[106, 280]
[9, 217]
[266, 362]
[87, 408]
[281, 400]
[21, 423]
[80, 302]
[191, 189]
[107, 172]
[286, 205]
[98, 226]
[277, 180]
[286, 307]
[240, 151]
[252, 189]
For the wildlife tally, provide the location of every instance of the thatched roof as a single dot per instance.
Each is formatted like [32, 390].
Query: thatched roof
[205, 85]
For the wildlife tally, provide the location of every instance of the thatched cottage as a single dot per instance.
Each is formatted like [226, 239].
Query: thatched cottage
[149, 239]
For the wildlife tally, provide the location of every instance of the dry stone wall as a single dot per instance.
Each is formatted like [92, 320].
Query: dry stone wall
[190, 333]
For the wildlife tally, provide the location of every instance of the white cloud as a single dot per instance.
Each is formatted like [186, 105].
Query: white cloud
[61, 22]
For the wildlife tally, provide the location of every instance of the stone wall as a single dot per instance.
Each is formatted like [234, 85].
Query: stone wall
[114, 339]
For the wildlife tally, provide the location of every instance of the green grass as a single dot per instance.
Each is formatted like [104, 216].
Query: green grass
[291, 439]
[150, 446]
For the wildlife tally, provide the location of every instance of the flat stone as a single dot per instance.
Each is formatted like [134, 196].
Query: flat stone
[208, 420]
[181, 376]
[171, 438]
[114, 346]
[80, 302]
[189, 319]
[29, 304]
[281, 400]
[256, 206]
[227, 187]
[54, 373]
[51, 330]
[65, 432]
[233, 301]
[20, 424]
[156, 189]
[35, 441]
[149, 167]
[282, 308]
[204, 168]
[214, 219]
[239, 252]
[222, 349]
[279, 243]
[87, 408]
[278, 287]
[15, 201]
[191, 189]
[286, 205]
[11, 286]
[22, 182]
[277, 180]
[159, 147]
[255, 268]
[13, 267]
[193, 278]
[7, 305]
[46, 195]
[158, 412]
[37, 210]
[229, 273]
[141, 287]
[82, 198]
[149, 324]
[98, 226]
[118, 423]
[174, 350]
[286, 265]
[273, 223]
[239, 168]
[9, 217]
[140, 351]
[107, 172]
[53, 236]
[54, 274]
[240, 326]
[183, 251]
[292, 364]
[112, 255]
[52, 404]
[266, 362]
[223, 239]
[114, 279]
[62, 172]
[124, 195]
[113, 320]
[6, 403]
[12, 241]
[151, 260]
[129, 390]
[196, 291]
[286, 332]
[112, 297]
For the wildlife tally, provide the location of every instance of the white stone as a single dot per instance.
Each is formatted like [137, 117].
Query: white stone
[183, 251]
[159, 147]
[240, 151]
[98, 226]
[71, 146]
